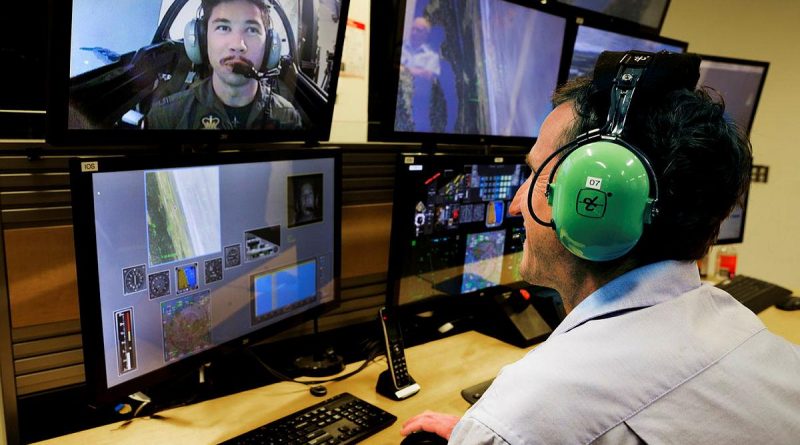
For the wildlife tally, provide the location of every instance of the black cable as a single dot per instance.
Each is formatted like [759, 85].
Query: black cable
[375, 352]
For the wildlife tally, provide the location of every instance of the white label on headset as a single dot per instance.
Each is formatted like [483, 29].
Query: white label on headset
[594, 183]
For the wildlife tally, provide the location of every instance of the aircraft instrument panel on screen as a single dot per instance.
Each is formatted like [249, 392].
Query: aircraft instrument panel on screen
[453, 232]
[190, 258]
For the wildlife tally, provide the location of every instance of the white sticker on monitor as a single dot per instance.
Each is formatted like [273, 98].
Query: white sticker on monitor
[89, 166]
[594, 183]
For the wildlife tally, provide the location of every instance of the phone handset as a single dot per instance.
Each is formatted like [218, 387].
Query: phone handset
[395, 383]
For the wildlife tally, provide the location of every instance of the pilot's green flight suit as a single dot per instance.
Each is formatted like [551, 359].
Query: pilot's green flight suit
[199, 108]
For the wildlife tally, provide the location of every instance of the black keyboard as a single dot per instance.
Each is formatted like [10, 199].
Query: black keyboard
[755, 294]
[341, 419]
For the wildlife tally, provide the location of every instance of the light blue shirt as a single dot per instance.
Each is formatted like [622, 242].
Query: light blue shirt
[653, 356]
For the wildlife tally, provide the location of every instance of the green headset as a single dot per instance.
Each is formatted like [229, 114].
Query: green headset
[602, 190]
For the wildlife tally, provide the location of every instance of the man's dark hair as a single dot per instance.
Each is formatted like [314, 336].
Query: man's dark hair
[206, 6]
[702, 162]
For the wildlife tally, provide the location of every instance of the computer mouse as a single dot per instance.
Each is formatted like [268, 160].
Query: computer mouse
[791, 304]
[423, 438]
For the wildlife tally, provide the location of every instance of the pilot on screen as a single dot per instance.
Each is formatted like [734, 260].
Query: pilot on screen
[235, 40]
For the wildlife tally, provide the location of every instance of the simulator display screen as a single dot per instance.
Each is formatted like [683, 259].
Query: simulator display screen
[188, 65]
[649, 13]
[453, 230]
[190, 258]
[590, 42]
[486, 67]
[738, 83]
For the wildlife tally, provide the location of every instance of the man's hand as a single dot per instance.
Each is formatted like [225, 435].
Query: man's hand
[439, 423]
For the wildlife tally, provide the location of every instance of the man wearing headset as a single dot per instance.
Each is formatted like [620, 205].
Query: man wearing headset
[237, 43]
[646, 354]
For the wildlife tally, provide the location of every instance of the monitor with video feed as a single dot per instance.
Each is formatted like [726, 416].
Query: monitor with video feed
[739, 82]
[462, 72]
[452, 234]
[646, 15]
[161, 72]
[590, 41]
[183, 259]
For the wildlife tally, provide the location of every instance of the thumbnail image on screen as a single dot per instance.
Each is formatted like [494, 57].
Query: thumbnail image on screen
[191, 258]
[491, 72]
[182, 213]
[452, 233]
[169, 65]
[590, 42]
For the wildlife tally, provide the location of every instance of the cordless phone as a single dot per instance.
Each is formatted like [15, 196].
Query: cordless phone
[395, 383]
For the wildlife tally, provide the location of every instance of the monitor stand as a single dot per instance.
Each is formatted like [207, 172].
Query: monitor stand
[323, 362]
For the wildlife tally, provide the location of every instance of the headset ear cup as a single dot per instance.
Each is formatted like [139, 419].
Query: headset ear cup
[601, 192]
[272, 51]
[194, 41]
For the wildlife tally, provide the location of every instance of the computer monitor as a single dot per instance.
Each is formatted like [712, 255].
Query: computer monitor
[152, 72]
[23, 101]
[452, 235]
[645, 14]
[590, 41]
[739, 82]
[451, 71]
[180, 260]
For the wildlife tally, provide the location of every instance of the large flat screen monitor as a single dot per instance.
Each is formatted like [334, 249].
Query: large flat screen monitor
[180, 260]
[170, 71]
[452, 234]
[591, 41]
[463, 72]
[645, 14]
[23, 101]
[739, 82]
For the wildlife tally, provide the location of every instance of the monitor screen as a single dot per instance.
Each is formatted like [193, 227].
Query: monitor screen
[161, 71]
[590, 42]
[486, 77]
[452, 234]
[648, 14]
[739, 82]
[182, 259]
[22, 107]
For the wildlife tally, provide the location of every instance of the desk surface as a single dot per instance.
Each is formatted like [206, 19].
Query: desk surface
[442, 368]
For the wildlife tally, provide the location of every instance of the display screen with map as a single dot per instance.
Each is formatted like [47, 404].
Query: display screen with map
[178, 257]
[452, 233]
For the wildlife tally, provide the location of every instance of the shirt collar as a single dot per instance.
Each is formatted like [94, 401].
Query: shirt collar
[639, 288]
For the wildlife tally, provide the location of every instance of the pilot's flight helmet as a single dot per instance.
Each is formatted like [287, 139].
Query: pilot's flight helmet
[195, 38]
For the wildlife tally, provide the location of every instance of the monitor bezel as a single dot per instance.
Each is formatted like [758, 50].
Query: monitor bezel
[59, 133]
[86, 261]
[397, 240]
[384, 63]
